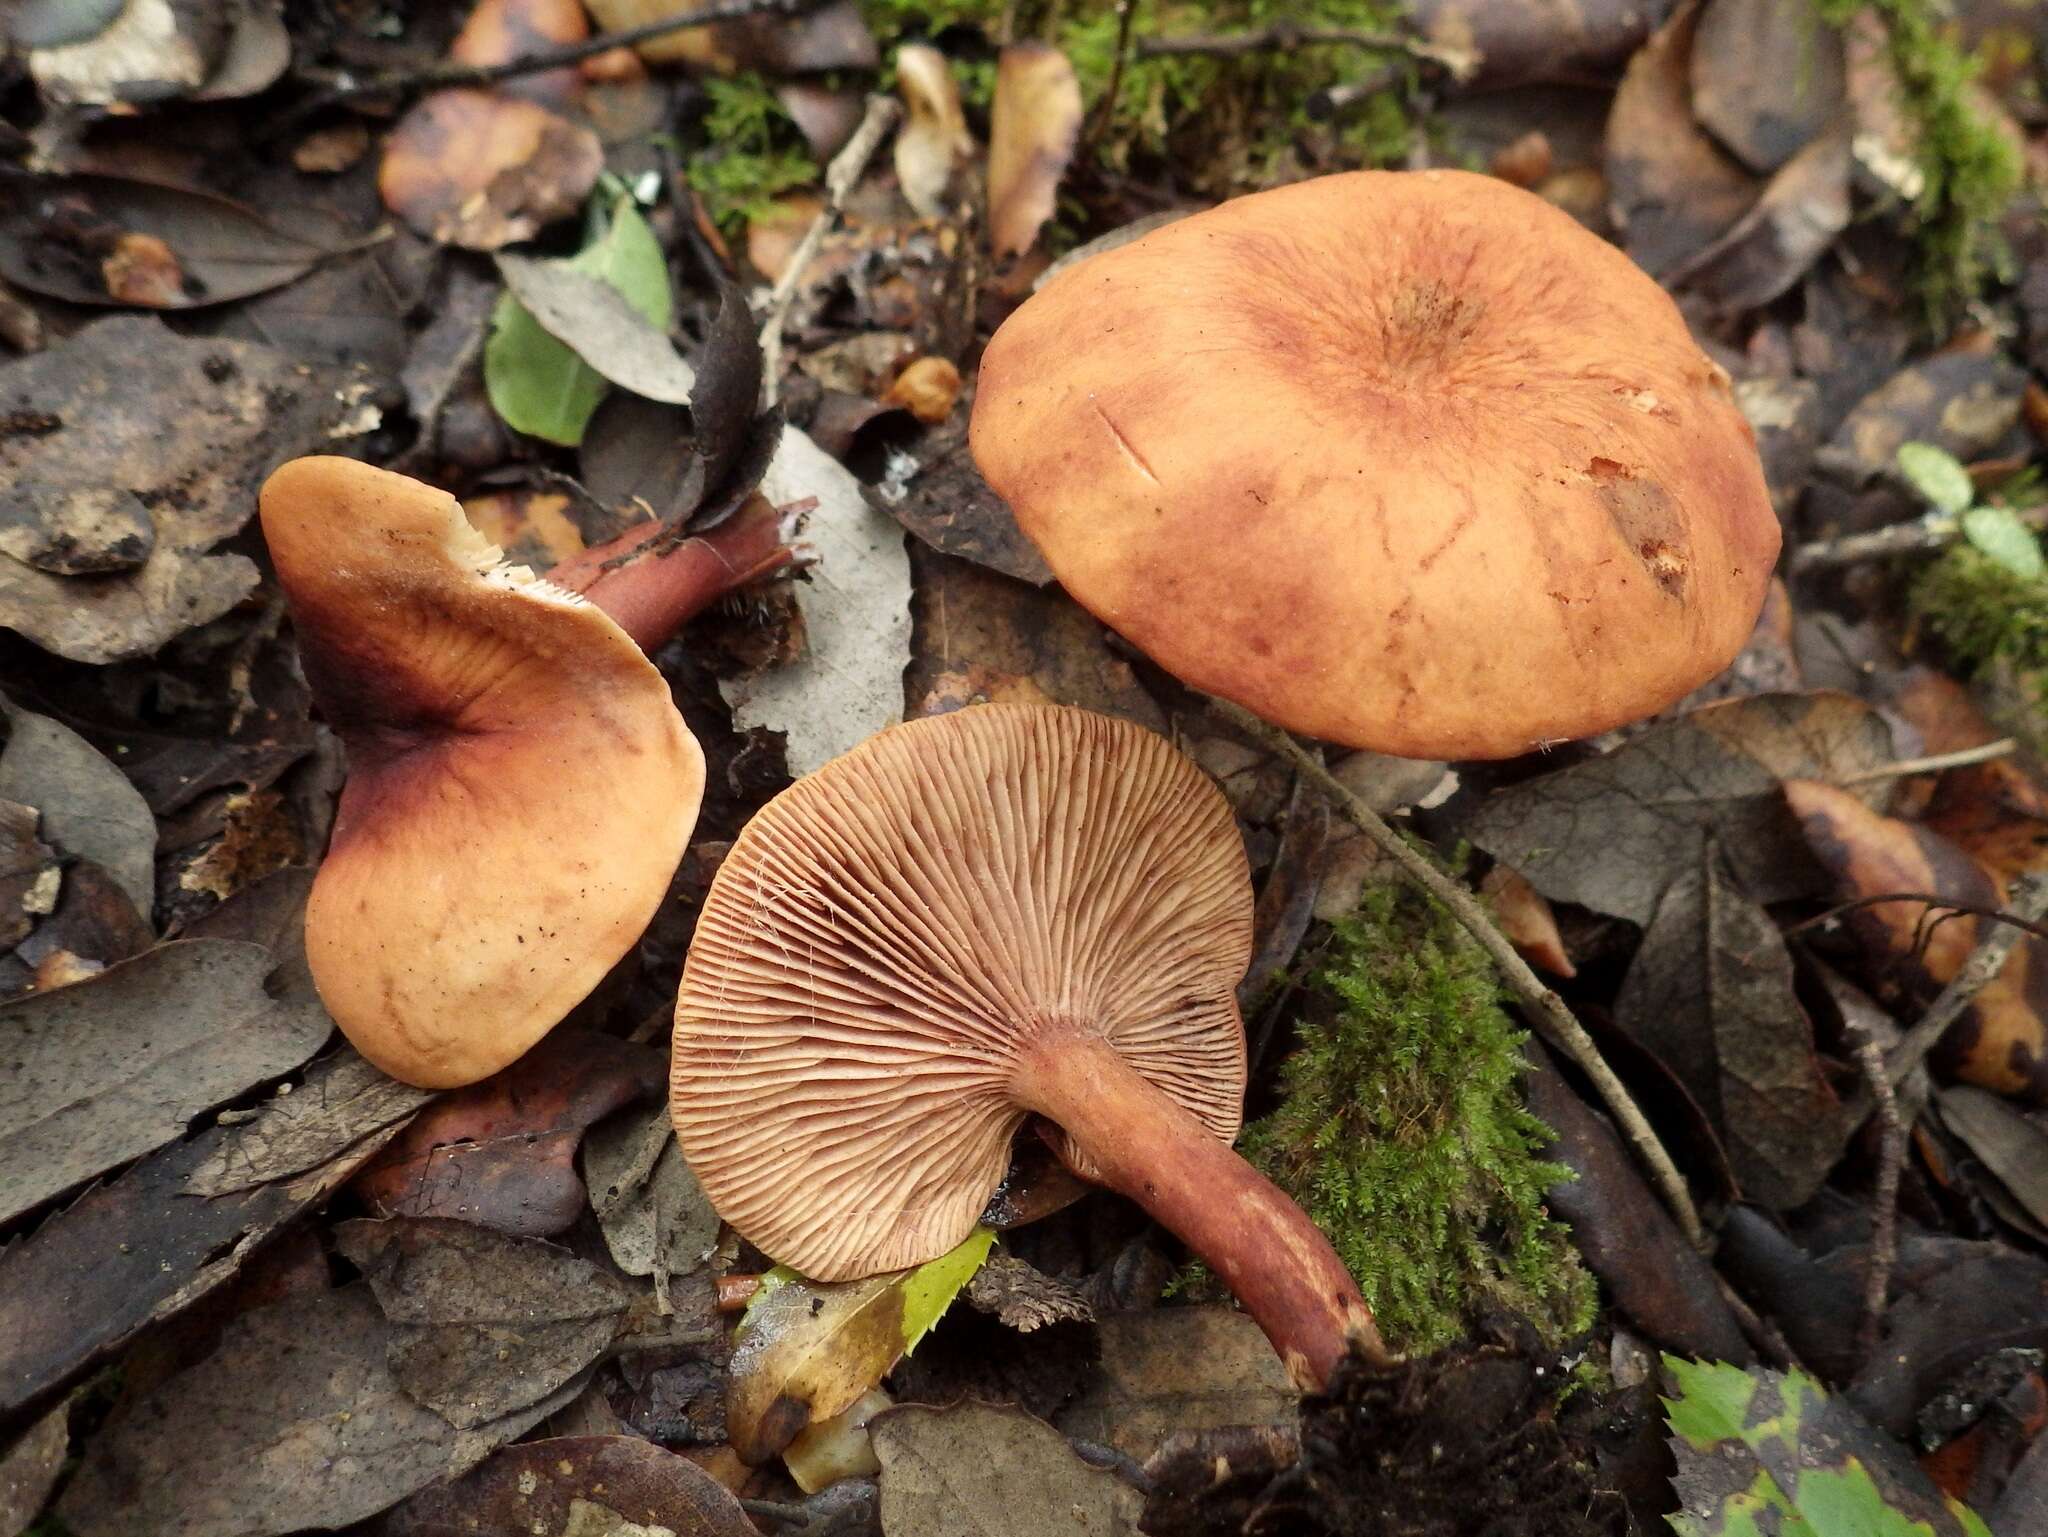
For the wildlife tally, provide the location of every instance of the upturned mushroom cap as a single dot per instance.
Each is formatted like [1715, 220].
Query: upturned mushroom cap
[1404, 460]
[520, 789]
[893, 933]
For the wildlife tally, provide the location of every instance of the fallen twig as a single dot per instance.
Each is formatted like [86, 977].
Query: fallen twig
[1105, 109]
[1458, 63]
[1936, 531]
[1891, 1158]
[1545, 1008]
[339, 86]
[1947, 907]
[841, 176]
[1961, 758]
[2026, 904]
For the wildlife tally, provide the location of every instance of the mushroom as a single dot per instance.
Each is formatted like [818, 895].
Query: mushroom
[1010, 911]
[520, 788]
[1403, 460]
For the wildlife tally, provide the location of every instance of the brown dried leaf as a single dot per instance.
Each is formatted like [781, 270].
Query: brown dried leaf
[1674, 190]
[1025, 1299]
[993, 1471]
[1527, 921]
[29, 1469]
[1994, 812]
[1788, 229]
[592, 1486]
[502, 1153]
[933, 489]
[1766, 77]
[295, 1421]
[483, 1324]
[481, 170]
[656, 1218]
[2001, 1040]
[1033, 127]
[1176, 1369]
[340, 1105]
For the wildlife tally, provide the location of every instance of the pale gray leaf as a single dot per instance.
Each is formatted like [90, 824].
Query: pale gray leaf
[88, 806]
[302, 1130]
[994, 1472]
[599, 324]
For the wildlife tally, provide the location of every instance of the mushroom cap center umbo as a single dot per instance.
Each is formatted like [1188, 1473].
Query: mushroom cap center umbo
[1408, 461]
[893, 940]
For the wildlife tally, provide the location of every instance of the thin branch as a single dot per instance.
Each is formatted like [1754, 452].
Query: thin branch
[1282, 36]
[1891, 1158]
[342, 86]
[1962, 758]
[1545, 1007]
[2028, 902]
[1933, 902]
[841, 177]
[1105, 109]
[1922, 536]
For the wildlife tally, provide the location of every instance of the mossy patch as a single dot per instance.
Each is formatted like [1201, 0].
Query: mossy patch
[751, 152]
[1404, 1135]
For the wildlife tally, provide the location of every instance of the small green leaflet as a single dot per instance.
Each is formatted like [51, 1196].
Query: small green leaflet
[1937, 475]
[538, 384]
[805, 1350]
[2001, 535]
[1769, 1452]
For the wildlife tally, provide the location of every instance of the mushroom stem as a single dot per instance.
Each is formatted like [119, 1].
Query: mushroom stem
[1144, 1145]
[651, 597]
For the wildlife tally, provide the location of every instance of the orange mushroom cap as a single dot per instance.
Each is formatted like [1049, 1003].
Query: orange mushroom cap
[520, 790]
[1403, 460]
[967, 920]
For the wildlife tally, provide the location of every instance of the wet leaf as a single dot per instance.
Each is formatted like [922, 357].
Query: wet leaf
[933, 489]
[480, 169]
[1757, 1447]
[295, 1421]
[1173, 1369]
[114, 1066]
[1033, 127]
[1959, 402]
[1937, 475]
[482, 1324]
[591, 1486]
[1674, 190]
[537, 382]
[139, 1248]
[59, 241]
[1710, 993]
[856, 612]
[502, 1153]
[1613, 833]
[807, 1349]
[88, 807]
[994, 1471]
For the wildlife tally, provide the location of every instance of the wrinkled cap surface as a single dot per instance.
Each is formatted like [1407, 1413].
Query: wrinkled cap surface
[520, 787]
[1404, 460]
[886, 934]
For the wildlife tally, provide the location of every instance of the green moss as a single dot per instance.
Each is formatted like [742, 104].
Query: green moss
[1986, 614]
[1404, 1135]
[752, 152]
[1969, 171]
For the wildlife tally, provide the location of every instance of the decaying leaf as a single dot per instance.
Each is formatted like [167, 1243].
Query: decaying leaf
[295, 1421]
[1024, 1298]
[335, 1109]
[116, 1065]
[2001, 1040]
[1789, 228]
[1710, 993]
[1675, 191]
[824, 37]
[479, 169]
[88, 808]
[856, 612]
[75, 530]
[807, 1349]
[29, 1469]
[1173, 1369]
[1611, 834]
[577, 1486]
[933, 489]
[1963, 403]
[995, 1471]
[502, 1153]
[2013, 1148]
[90, 414]
[1994, 812]
[1766, 77]
[482, 1324]
[122, 51]
[1032, 131]
[29, 878]
[1756, 1448]
[1526, 919]
[656, 1218]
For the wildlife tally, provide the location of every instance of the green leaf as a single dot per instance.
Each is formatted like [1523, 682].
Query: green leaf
[1715, 1401]
[538, 384]
[1999, 533]
[805, 1349]
[1937, 475]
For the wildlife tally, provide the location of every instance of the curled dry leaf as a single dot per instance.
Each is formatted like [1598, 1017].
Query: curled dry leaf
[591, 1485]
[927, 389]
[1032, 131]
[475, 169]
[933, 147]
[2001, 1040]
[1528, 922]
[1785, 232]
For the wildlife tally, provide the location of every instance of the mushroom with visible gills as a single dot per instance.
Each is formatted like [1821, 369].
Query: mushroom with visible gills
[1406, 460]
[969, 920]
[520, 787]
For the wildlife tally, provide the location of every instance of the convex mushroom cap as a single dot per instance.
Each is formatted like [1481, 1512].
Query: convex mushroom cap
[1403, 460]
[520, 786]
[965, 921]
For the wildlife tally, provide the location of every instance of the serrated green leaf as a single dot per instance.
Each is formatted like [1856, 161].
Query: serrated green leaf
[1937, 475]
[1714, 1404]
[806, 1349]
[2000, 534]
[537, 383]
